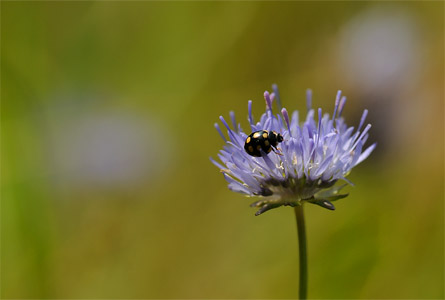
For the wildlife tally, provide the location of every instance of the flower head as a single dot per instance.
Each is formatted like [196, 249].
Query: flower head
[315, 153]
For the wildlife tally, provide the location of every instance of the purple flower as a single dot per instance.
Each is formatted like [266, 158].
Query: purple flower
[314, 155]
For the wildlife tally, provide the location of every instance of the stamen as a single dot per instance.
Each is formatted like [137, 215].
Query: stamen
[217, 164]
[295, 123]
[362, 135]
[319, 126]
[225, 123]
[277, 95]
[232, 117]
[286, 118]
[337, 102]
[268, 100]
[220, 132]
[233, 137]
[342, 105]
[249, 105]
[362, 120]
[347, 180]
[309, 99]
[227, 171]
[280, 121]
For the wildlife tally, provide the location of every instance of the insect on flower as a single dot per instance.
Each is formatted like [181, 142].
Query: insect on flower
[314, 155]
[262, 141]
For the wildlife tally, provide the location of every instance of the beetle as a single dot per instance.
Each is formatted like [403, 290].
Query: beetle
[262, 140]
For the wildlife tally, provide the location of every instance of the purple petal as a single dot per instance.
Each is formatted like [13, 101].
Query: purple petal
[357, 152]
[325, 164]
[366, 153]
[216, 163]
[236, 186]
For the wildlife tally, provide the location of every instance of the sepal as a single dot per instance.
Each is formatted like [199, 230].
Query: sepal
[325, 197]
[323, 203]
[265, 205]
[330, 193]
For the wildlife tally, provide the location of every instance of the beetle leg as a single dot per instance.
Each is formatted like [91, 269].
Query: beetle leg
[277, 151]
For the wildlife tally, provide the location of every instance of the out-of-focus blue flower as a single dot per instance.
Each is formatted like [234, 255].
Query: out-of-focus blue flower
[314, 155]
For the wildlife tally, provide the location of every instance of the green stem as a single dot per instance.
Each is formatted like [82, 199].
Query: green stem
[302, 248]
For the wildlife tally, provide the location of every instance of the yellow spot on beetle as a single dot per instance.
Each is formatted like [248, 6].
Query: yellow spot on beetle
[250, 149]
[248, 140]
[256, 135]
[258, 147]
[268, 150]
[265, 135]
[266, 142]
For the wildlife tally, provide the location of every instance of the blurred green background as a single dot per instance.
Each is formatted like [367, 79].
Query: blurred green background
[107, 129]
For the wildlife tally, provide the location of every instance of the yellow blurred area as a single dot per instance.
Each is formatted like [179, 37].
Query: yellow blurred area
[107, 128]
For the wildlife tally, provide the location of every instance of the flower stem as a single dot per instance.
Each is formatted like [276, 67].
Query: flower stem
[302, 249]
